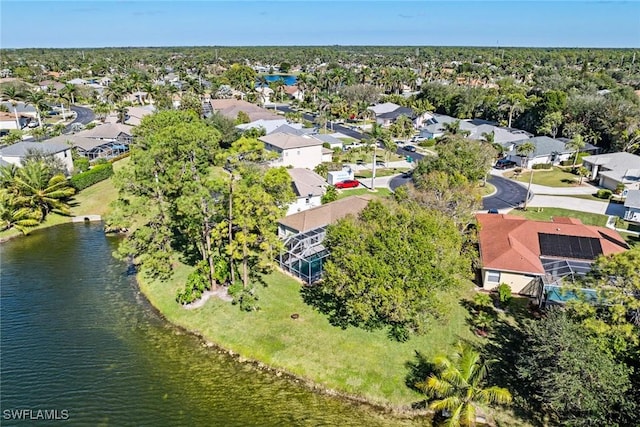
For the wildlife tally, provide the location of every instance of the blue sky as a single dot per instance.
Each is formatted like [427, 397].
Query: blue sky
[91, 23]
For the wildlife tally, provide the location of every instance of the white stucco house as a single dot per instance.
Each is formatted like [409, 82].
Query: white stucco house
[548, 150]
[632, 206]
[612, 169]
[308, 187]
[294, 150]
[14, 154]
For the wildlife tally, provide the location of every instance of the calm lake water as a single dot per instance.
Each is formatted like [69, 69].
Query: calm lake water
[288, 79]
[78, 336]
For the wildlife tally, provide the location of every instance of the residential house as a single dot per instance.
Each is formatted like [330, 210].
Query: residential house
[308, 187]
[502, 136]
[294, 150]
[387, 113]
[547, 150]
[264, 94]
[522, 253]
[15, 154]
[110, 132]
[24, 110]
[8, 121]
[48, 85]
[612, 169]
[294, 93]
[632, 206]
[231, 107]
[434, 126]
[321, 216]
[303, 251]
[329, 139]
[134, 115]
[91, 148]
[78, 82]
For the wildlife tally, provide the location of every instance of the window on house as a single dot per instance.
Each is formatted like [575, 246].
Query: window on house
[65, 153]
[493, 276]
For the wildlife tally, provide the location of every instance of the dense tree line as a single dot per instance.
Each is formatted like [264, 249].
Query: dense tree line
[179, 203]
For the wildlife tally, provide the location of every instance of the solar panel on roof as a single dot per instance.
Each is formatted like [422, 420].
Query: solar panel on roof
[559, 245]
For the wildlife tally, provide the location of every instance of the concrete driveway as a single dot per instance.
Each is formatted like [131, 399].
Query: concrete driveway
[573, 203]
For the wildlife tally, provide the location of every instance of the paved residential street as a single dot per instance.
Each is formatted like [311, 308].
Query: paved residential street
[84, 116]
[509, 194]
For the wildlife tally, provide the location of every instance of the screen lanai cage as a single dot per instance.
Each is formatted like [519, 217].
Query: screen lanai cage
[304, 254]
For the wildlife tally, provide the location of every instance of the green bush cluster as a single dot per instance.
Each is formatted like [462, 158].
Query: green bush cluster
[120, 157]
[427, 143]
[604, 194]
[197, 283]
[92, 176]
[543, 166]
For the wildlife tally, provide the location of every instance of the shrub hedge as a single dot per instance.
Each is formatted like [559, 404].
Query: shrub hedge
[604, 194]
[94, 175]
[543, 166]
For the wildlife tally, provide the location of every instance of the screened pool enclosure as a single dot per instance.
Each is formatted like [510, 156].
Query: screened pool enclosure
[304, 254]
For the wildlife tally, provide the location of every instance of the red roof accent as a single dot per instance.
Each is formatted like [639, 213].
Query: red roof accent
[511, 243]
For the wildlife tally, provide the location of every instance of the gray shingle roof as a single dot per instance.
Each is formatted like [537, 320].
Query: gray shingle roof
[545, 146]
[286, 141]
[20, 149]
[613, 161]
[633, 199]
[307, 182]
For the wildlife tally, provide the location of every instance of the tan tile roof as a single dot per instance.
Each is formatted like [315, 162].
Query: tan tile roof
[231, 107]
[511, 243]
[307, 182]
[325, 214]
[286, 141]
[107, 130]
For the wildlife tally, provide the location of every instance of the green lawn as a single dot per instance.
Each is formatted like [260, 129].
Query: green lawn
[487, 189]
[94, 200]
[347, 192]
[546, 214]
[380, 172]
[555, 177]
[352, 361]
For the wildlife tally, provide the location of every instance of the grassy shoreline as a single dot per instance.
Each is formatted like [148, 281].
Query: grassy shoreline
[359, 365]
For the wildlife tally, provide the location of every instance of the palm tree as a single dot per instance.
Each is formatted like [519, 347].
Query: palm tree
[514, 103]
[576, 143]
[524, 151]
[12, 216]
[36, 189]
[38, 100]
[457, 387]
[121, 111]
[69, 90]
[13, 95]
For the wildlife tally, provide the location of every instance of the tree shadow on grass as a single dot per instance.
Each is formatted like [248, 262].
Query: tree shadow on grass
[326, 304]
[419, 369]
[502, 351]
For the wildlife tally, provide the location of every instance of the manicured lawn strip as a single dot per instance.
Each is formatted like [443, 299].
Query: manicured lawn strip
[352, 361]
[487, 189]
[380, 172]
[380, 192]
[555, 177]
[547, 214]
[587, 197]
[94, 200]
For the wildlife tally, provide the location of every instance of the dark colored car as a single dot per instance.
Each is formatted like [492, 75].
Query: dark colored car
[360, 162]
[350, 183]
[505, 164]
[493, 211]
[410, 148]
[380, 163]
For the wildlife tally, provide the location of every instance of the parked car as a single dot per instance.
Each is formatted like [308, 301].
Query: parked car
[407, 174]
[505, 164]
[380, 163]
[410, 148]
[349, 183]
[360, 162]
[493, 211]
